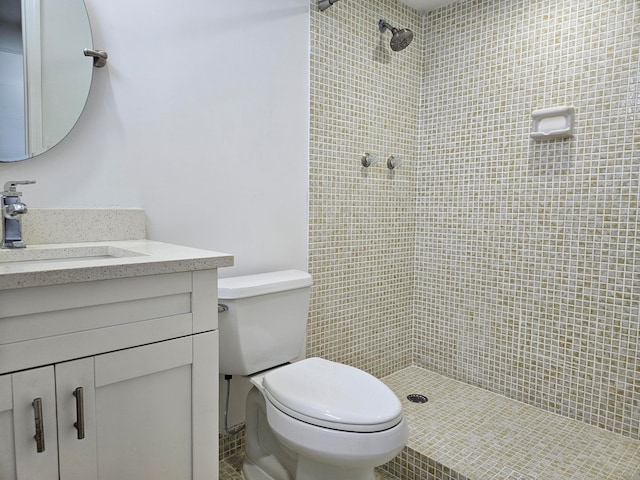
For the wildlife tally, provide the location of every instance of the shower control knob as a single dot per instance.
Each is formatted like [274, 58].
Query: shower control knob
[393, 162]
[368, 159]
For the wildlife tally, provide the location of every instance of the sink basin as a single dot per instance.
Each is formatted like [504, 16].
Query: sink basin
[38, 255]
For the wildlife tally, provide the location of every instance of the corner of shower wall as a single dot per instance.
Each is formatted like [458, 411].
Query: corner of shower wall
[362, 220]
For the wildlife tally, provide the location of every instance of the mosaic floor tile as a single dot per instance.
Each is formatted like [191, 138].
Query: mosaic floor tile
[485, 436]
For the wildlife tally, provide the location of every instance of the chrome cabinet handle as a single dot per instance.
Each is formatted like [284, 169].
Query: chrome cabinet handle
[39, 436]
[79, 424]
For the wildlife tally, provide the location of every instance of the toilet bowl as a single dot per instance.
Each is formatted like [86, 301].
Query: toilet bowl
[334, 414]
[313, 419]
[337, 421]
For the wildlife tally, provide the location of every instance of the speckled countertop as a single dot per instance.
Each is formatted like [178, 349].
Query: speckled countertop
[111, 245]
[101, 261]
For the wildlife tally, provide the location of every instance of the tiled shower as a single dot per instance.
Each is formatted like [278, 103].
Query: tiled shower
[509, 264]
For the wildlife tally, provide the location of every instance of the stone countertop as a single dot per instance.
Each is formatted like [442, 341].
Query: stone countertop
[101, 261]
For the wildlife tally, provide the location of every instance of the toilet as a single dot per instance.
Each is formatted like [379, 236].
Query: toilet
[313, 419]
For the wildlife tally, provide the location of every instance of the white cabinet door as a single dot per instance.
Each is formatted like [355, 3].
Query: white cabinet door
[144, 411]
[28, 410]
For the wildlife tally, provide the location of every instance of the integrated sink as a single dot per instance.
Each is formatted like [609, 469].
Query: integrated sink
[34, 255]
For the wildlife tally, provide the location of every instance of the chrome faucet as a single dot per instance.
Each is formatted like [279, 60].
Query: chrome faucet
[12, 211]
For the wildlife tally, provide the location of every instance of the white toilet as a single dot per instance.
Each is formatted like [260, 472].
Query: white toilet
[309, 420]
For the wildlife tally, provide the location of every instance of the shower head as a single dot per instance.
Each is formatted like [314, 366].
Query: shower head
[400, 39]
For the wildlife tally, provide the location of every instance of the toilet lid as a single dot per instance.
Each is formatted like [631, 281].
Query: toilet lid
[333, 395]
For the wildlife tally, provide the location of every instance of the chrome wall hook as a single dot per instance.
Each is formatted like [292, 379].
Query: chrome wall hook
[99, 57]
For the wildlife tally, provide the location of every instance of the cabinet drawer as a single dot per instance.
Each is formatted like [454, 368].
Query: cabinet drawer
[40, 325]
[44, 325]
[34, 300]
[44, 351]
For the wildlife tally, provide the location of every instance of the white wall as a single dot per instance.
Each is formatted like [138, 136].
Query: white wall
[200, 118]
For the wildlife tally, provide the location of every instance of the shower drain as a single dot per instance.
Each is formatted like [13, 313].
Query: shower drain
[417, 398]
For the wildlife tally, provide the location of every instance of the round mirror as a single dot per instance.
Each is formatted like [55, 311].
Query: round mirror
[44, 75]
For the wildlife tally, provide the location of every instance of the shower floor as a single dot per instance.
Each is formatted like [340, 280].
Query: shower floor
[467, 432]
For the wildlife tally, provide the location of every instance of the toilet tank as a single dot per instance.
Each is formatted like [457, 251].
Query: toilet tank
[266, 320]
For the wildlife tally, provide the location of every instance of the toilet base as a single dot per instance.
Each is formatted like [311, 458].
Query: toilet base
[251, 471]
[265, 457]
[310, 470]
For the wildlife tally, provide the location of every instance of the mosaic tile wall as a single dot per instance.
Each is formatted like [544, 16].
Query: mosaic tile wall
[528, 254]
[362, 221]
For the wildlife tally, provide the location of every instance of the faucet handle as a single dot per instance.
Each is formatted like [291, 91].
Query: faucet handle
[14, 209]
[10, 187]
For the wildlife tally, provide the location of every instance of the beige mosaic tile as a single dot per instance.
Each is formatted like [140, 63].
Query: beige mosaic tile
[480, 435]
[231, 445]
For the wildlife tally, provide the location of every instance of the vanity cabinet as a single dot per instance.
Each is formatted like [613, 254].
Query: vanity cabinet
[117, 377]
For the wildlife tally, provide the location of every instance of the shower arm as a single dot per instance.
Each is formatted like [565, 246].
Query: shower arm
[384, 26]
[324, 4]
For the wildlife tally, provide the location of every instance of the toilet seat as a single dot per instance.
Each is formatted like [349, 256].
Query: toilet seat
[332, 395]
